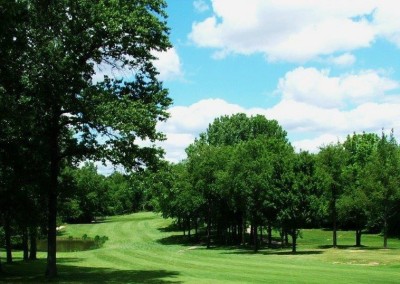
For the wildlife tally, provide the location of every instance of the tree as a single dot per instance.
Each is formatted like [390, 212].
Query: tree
[59, 44]
[382, 177]
[298, 199]
[331, 160]
[252, 170]
[354, 203]
[205, 162]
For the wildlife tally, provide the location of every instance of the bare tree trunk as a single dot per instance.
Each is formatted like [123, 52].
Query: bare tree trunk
[7, 232]
[209, 225]
[358, 237]
[189, 227]
[255, 237]
[33, 243]
[334, 216]
[243, 232]
[269, 230]
[294, 240]
[385, 232]
[25, 246]
[286, 238]
[51, 269]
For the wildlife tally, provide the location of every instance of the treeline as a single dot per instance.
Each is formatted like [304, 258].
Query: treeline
[59, 108]
[242, 179]
[85, 196]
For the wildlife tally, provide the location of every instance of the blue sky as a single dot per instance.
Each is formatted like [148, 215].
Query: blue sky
[322, 68]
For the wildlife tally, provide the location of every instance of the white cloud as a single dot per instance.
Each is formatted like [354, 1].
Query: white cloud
[186, 123]
[310, 110]
[313, 145]
[317, 87]
[168, 65]
[387, 20]
[321, 125]
[296, 30]
[200, 6]
[344, 60]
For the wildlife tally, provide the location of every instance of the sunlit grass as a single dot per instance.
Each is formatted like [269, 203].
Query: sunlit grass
[140, 250]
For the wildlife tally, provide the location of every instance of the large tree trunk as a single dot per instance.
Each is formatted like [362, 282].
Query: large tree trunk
[385, 232]
[255, 237]
[189, 228]
[25, 246]
[286, 238]
[269, 232]
[358, 237]
[243, 231]
[294, 240]
[334, 216]
[33, 243]
[7, 232]
[51, 270]
[209, 226]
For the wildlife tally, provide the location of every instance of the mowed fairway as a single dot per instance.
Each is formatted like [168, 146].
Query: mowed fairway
[141, 250]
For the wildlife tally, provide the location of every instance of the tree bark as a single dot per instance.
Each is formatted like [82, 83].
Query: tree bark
[286, 238]
[25, 246]
[294, 240]
[385, 231]
[243, 231]
[33, 243]
[255, 237]
[209, 225]
[51, 269]
[358, 238]
[7, 232]
[269, 229]
[189, 229]
[334, 216]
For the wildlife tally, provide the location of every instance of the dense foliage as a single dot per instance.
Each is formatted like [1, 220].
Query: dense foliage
[242, 177]
[53, 111]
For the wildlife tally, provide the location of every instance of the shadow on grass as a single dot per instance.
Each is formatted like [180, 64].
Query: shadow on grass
[179, 240]
[273, 252]
[33, 272]
[353, 247]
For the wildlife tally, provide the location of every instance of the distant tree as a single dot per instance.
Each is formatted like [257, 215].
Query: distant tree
[299, 198]
[354, 203]
[252, 173]
[205, 162]
[331, 161]
[382, 178]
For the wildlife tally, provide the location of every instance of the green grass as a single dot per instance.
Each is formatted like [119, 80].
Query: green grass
[140, 250]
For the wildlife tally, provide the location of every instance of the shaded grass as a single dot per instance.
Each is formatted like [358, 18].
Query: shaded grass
[78, 274]
[144, 248]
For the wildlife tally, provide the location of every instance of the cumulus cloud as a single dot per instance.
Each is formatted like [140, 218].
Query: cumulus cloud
[168, 65]
[344, 60]
[296, 30]
[313, 145]
[322, 125]
[310, 110]
[317, 87]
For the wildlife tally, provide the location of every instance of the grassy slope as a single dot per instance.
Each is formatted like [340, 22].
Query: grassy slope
[139, 251]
